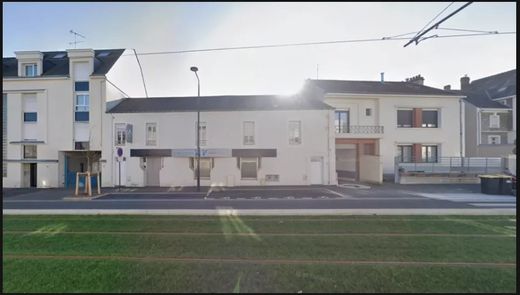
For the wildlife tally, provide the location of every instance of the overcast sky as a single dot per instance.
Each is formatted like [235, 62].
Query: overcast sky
[150, 27]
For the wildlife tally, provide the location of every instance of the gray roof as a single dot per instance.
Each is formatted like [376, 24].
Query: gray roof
[496, 86]
[376, 87]
[217, 103]
[60, 66]
[481, 92]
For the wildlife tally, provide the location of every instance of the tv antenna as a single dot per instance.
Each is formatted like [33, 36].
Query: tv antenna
[76, 34]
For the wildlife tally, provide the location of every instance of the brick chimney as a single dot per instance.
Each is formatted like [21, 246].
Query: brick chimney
[464, 83]
[416, 79]
[447, 87]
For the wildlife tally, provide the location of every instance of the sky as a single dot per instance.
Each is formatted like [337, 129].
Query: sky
[163, 26]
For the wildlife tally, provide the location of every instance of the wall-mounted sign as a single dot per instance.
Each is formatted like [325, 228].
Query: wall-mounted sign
[204, 153]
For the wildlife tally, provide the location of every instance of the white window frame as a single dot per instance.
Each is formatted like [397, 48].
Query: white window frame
[33, 67]
[293, 139]
[497, 137]
[151, 140]
[491, 123]
[248, 139]
[438, 117]
[397, 118]
[203, 133]
[249, 160]
[84, 106]
[120, 128]
[35, 147]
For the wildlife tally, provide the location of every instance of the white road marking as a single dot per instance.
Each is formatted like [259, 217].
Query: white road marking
[337, 193]
[461, 197]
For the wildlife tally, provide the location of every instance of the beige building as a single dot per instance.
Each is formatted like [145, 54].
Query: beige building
[379, 123]
[54, 106]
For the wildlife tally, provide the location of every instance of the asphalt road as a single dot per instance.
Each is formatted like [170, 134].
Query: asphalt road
[388, 196]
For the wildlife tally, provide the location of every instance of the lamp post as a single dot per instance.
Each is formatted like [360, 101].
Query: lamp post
[195, 69]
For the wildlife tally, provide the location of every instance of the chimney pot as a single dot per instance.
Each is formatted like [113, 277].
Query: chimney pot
[464, 82]
[447, 87]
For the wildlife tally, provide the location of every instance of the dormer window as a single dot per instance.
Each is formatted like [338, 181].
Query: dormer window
[31, 70]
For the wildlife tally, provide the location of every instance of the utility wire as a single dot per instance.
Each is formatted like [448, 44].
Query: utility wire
[436, 25]
[421, 30]
[307, 43]
[142, 75]
[467, 35]
[465, 30]
[271, 46]
[117, 87]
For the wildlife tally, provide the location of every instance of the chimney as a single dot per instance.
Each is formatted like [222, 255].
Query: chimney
[464, 83]
[416, 79]
[447, 87]
[382, 77]
[81, 63]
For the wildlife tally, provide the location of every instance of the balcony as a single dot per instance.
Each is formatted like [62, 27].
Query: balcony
[363, 131]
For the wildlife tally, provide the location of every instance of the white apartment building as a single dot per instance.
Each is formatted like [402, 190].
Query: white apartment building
[245, 141]
[54, 106]
[379, 122]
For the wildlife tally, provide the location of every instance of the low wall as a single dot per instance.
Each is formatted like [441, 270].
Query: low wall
[417, 179]
[511, 164]
[370, 169]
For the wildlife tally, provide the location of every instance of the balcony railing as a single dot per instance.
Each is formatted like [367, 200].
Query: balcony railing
[476, 165]
[360, 129]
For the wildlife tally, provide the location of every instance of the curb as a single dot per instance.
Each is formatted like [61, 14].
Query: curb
[228, 211]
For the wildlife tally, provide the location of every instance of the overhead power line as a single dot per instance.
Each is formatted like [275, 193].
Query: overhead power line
[421, 30]
[142, 75]
[117, 88]
[436, 25]
[308, 43]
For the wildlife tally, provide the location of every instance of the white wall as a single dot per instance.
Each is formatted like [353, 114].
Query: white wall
[384, 113]
[224, 130]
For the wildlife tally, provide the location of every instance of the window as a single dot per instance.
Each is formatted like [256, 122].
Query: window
[404, 118]
[494, 121]
[295, 132]
[205, 167]
[120, 133]
[151, 133]
[30, 70]
[429, 119]
[29, 151]
[368, 112]
[249, 132]
[202, 133]
[81, 86]
[30, 117]
[493, 139]
[81, 145]
[103, 54]
[429, 153]
[404, 153]
[4, 135]
[341, 121]
[82, 108]
[59, 55]
[248, 168]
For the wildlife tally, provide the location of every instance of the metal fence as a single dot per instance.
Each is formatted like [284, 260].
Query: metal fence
[361, 129]
[449, 165]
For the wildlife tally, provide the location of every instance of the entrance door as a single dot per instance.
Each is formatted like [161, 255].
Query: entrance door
[153, 167]
[32, 175]
[316, 171]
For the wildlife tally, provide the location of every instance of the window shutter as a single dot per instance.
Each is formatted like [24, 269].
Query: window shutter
[494, 121]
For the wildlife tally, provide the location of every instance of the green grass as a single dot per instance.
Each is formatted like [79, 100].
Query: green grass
[495, 242]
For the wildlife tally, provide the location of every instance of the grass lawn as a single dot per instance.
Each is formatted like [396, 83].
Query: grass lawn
[259, 254]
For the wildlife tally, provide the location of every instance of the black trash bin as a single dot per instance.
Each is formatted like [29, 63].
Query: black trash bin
[496, 184]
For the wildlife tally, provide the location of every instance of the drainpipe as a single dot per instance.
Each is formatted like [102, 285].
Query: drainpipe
[461, 129]
[328, 146]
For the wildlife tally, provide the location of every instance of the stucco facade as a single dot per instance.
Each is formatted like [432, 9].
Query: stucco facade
[176, 132]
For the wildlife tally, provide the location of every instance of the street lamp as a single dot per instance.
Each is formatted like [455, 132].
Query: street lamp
[195, 69]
